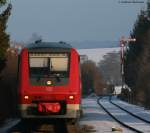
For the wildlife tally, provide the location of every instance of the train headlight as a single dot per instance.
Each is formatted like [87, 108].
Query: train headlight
[71, 97]
[49, 82]
[26, 97]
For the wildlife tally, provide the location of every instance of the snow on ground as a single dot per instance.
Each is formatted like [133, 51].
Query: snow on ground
[98, 53]
[125, 117]
[137, 110]
[95, 116]
[8, 124]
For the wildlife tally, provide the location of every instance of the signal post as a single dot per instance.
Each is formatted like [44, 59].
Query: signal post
[123, 42]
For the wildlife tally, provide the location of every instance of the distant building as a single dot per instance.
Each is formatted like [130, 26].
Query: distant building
[117, 90]
[83, 58]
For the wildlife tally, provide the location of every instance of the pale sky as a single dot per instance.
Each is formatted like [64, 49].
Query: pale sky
[72, 20]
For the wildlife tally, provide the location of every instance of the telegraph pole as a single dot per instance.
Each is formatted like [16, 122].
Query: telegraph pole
[123, 42]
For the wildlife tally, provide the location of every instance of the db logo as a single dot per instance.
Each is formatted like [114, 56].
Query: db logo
[49, 89]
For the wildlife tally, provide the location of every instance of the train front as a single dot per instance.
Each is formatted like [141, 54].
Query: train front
[49, 82]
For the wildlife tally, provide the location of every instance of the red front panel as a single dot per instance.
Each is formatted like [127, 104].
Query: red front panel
[50, 93]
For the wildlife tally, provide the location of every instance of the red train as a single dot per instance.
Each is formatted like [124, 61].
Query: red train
[49, 81]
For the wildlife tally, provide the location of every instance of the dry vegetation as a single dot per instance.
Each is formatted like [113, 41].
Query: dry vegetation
[8, 87]
[91, 78]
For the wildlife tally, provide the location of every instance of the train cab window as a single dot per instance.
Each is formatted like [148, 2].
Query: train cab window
[49, 67]
[59, 64]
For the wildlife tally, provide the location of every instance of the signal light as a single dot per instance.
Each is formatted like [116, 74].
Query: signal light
[26, 97]
[71, 97]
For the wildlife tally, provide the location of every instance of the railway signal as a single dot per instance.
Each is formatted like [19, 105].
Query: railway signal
[123, 42]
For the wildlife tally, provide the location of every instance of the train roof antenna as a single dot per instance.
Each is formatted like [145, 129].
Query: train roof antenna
[38, 41]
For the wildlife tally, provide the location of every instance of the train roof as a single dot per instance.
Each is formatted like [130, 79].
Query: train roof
[51, 45]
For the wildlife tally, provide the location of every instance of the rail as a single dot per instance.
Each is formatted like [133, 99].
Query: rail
[142, 119]
[115, 118]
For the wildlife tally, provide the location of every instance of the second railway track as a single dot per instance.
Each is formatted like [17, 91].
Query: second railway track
[123, 117]
[139, 117]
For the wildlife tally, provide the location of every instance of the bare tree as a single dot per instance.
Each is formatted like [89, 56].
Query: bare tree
[110, 68]
[91, 78]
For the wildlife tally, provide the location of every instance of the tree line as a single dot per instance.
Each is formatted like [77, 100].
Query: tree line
[4, 37]
[137, 59]
[101, 78]
[5, 91]
[91, 77]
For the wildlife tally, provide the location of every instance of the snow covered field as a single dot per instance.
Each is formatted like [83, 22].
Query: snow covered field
[97, 54]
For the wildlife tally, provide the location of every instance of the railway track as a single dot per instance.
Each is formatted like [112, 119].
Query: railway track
[40, 126]
[139, 117]
[123, 117]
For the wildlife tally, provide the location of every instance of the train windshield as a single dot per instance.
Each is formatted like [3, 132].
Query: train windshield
[48, 67]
